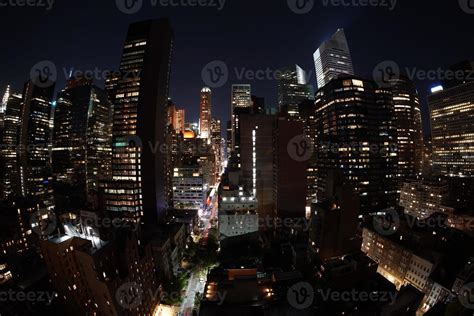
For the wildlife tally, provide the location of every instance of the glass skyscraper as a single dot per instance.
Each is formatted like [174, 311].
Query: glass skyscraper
[333, 59]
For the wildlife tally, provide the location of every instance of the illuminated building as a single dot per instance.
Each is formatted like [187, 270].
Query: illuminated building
[35, 168]
[92, 276]
[409, 129]
[188, 186]
[176, 117]
[241, 98]
[421, 199]
[356, 135]
[293, 88]
[333, 59]
[452, 130]
[3, 107]
[216, 142]
[10, 149]
[205, 115]
[256, 160]
[139, 176]
[82, 138]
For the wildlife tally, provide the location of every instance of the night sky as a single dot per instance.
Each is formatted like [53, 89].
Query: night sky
[255, 35]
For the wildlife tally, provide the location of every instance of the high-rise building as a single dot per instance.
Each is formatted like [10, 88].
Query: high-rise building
[258, 104]
[452, 129]
[333, 59]
[188, 186]
[293, 88]
[216, 142]
[256, 159]
[82, 138]
[5, 98]
[205, 115]
[356, 134]
[421, 199]
[35, 137]
[289, 187]
[241, 101]
[176, 118]
[138, 188]
[10, 149]
[409, 129]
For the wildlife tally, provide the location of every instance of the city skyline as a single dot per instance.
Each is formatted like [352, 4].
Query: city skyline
[108, 23]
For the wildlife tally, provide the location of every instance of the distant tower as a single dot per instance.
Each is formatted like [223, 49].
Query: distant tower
[241, 102]
[205, 113]
[293, 89]
[333, 59]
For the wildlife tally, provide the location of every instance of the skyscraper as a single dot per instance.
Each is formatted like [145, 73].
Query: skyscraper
[82, 138]
[35, 166]
[139, 171]
[409, 129]
[452, 129]
[241, 99]
[293, 89]
[10, 149]
[356, 134]
[205, 113]
[333, 59]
